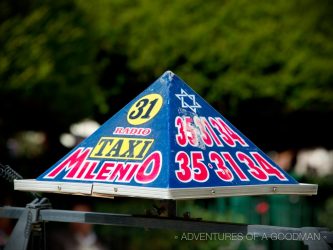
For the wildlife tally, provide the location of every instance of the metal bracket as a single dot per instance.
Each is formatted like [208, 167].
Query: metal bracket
[29, 226]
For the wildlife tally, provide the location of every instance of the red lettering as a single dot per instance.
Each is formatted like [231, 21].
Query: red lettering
[181, 137]
[146, 131]
[105, 170]
[154, 161]
[235, 166]
[226, 133]
[211, 131]
[89, 175]
[72, 163]
[120, 171]
[118, 130]
[232, 134]
[184, 174]
[191, 168]
[77, 167]
[269, 168]
[190, 132]
[132, 131]
[222, 172]
[203, 132]
[223, 134]
[200, 172]
[131, 173]
[192, 129]
[254, 170]
[82, 170]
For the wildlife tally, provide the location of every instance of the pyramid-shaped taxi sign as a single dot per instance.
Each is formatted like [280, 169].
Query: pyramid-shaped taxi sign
[168, 143]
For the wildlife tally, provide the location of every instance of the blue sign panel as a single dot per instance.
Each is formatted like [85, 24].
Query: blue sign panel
[168, 138]
[207, 150]
[131, 148]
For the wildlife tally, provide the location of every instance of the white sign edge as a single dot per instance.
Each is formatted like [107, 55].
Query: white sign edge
[111, 190]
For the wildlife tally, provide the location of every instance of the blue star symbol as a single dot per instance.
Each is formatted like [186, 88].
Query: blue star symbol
[191, 104]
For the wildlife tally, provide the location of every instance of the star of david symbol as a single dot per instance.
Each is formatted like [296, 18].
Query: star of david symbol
[188, 101]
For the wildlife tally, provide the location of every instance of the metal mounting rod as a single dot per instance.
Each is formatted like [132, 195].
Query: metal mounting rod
[323, 240]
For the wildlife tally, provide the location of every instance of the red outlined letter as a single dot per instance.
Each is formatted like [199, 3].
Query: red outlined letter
[211, 131]
[235, 166]
[105, 170]
[203, 132]
[155, 160]
[72, 163]
[267, 167]
[184, 174]
[222, 172]
[181, 137]
[190, 131]
[200, 171]
[232, 134]
[254, 170]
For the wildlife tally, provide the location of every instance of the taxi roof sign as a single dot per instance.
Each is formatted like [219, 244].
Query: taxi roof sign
[167, 143]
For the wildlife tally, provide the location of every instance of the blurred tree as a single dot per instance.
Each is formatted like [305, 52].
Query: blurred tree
[231, 50]
[266, 66]
[48, 70]
[48, 65]
[63, 60]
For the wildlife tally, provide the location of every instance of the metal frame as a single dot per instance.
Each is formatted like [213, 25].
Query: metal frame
[31, 219]
[111, 190]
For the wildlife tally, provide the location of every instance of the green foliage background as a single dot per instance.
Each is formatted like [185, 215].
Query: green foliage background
[86, 51]
[267, 65]
[97, 55]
